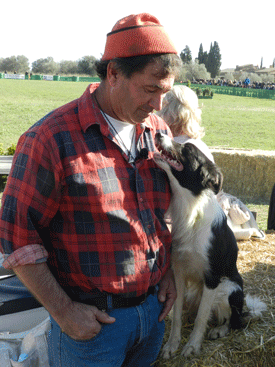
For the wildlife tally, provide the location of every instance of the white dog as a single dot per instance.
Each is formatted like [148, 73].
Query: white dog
[204, 250]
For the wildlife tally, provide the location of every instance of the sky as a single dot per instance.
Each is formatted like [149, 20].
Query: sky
[69, 30]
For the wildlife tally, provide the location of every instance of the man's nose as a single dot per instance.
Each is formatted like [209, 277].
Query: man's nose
[156, 102]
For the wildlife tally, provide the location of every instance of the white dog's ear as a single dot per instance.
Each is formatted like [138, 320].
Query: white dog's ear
[212, 178]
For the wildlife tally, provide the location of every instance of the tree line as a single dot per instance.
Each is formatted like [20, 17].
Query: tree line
[211, 60]
[205, 66]
[20, 65]
[86, 65]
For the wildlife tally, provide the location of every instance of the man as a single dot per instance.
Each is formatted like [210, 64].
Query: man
[82, 216]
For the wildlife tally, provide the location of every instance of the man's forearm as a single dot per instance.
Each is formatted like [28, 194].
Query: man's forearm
[42, 284]
[79, 321]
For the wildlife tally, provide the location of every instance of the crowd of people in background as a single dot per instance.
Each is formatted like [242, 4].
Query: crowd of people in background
[236, 83]
[246, 83]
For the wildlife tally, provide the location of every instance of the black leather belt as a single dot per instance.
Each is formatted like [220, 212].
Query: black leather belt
[18, 305]
[118, 301]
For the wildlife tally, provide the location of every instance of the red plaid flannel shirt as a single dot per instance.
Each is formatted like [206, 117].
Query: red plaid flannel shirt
[72, 199]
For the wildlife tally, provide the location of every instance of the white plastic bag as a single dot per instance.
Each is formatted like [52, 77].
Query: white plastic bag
[26, 348]
[239, 217]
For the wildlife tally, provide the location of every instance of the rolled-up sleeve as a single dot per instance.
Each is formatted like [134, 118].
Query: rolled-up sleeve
[30, 200]
[30, 254]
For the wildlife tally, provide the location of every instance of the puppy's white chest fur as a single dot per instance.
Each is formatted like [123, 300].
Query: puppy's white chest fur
[191, 231]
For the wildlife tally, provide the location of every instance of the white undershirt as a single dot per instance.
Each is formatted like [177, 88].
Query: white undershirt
[125, 132]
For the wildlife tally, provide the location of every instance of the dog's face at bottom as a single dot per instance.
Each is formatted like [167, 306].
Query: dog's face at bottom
[190, 167]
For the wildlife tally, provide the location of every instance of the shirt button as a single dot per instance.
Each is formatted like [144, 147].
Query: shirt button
[149, 226]
[141, 200]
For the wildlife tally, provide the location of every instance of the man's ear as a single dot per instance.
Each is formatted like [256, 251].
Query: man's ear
[112, 73]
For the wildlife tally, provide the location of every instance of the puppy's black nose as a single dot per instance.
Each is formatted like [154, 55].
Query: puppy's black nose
[159, 136]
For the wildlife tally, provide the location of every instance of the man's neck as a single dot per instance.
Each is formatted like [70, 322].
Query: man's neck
[102, 97]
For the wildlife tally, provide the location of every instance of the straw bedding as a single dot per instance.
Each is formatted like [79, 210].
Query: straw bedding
[253, 346]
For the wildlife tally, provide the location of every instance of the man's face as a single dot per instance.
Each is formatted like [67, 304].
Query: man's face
[133, 99]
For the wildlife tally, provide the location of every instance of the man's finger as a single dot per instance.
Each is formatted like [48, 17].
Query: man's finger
[103, 317]
[167, 308]
[162, 295]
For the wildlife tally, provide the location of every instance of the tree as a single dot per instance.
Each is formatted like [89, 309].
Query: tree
[194, 70]
[268, 78]
[214, 60]
[45, 66]
[19, 63]
[229, 76]
[86, 65]
[22, 63]
[68, 67]
[202, 56]
[254, 77]
[186, 55]
[210, 59]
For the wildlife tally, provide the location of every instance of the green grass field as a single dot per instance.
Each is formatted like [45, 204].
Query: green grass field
[23, 102]
[229, 121]
[235, 122]
[239, 122]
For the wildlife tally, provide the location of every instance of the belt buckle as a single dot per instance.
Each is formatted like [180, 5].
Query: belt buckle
[145, 297]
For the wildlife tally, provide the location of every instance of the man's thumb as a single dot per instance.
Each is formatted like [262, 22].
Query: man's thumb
[104, 318]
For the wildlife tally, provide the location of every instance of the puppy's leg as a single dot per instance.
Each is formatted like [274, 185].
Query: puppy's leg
[222, 311]
[175, 334]
[227, 308]
[194, 343]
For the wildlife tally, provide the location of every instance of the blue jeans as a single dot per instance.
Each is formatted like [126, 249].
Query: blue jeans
[133, 340]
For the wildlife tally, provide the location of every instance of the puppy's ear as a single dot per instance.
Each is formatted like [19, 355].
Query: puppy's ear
[212, 178]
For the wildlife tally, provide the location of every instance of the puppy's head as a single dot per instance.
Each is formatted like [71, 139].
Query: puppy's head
[188, 165]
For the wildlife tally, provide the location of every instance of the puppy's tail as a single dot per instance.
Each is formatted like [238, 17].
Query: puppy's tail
[256, 308]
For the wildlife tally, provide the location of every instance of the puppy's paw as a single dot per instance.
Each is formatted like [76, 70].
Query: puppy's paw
[190, 348]
[218, 332]
[170, 348]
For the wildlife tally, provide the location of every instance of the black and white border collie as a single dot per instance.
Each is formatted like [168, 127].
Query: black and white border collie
[204, 249]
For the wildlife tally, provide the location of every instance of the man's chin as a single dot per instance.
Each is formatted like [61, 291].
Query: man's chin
[143, 116]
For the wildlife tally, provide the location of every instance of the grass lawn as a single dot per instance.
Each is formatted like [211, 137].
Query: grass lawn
[239, 122]
[23, 102]
[229, 121]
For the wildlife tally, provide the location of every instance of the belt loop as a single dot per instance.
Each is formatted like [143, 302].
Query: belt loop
[109, 301]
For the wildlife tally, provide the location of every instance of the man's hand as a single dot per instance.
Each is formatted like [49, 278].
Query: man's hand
[83, 322]
[77, 320]
[167, 293]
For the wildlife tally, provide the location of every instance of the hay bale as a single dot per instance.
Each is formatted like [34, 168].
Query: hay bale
[247, 174]
[253, 346]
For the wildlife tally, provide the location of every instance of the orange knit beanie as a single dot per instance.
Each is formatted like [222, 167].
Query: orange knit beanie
[135, 35]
